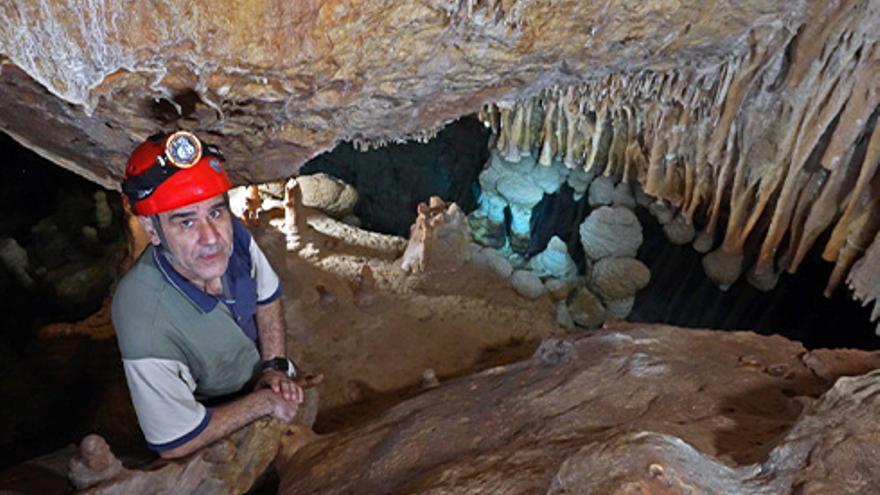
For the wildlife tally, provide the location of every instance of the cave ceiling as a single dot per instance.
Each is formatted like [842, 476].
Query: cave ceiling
[276, 83]
[753, 120]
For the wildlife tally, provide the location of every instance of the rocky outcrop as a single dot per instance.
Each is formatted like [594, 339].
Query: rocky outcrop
[605, 414]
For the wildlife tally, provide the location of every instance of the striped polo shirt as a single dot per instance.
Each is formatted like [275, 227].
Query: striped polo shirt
[181, 345]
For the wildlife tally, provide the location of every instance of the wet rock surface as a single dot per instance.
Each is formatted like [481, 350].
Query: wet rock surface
[646, 409]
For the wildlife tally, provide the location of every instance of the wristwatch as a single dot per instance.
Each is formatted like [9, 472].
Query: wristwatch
[281, 364]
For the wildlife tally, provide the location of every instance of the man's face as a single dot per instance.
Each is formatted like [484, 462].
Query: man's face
[199, 238]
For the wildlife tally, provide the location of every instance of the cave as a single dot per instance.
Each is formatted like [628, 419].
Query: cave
[522, 247]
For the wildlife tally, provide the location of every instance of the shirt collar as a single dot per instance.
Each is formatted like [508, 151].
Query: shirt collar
[204, 301]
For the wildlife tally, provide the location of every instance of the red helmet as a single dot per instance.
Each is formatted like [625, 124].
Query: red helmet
[168, 171]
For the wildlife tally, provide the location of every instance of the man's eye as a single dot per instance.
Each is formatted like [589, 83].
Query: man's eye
[186, 224]
[215, 214]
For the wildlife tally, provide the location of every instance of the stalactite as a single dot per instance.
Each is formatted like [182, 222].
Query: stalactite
[776, 145]
[547, 150]
[866, 174]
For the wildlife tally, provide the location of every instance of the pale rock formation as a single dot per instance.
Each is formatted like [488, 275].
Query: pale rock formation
[604, 414]
[439, 241]
[429, 380]
[487, 221]
[555, 351]
[679, 231]
[619, 308]
[95, 463]
[723, 267]
[15, 259]
[618, 278]
[494, 261]
[327, 194]
[554, 261]
[611, 231]
[527, 284]
[661, 211]
[579, 180]
[586, 308]
[559, 289]
[299, 218]
[863, 281]
[601, 192]
[363, 288]
[522, 195]
[229, 466]
[103, 213]
[563, 315]
[623, 196]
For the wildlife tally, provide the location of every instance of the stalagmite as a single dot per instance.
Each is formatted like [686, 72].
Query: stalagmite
[439, 239]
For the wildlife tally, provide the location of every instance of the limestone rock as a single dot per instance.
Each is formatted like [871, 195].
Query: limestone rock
[487, 222]
[494, 261]
[554, 261]
[527, 284]
[229, 466]
[559, 289]
[439, 241]
[563, 316]
[618, 278]
[604, 414]
[554, 351]
[579, 180]
[623, 195]
[585, 308]
[722, 267]
[663, 213]
[522, 195]
[327, 194]
[620, 308]
[14, 258]
[679, 231]
[611, 231]
[601, 191]
[94, 464]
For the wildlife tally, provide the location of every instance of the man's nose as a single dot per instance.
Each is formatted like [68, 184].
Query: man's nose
[208, 233]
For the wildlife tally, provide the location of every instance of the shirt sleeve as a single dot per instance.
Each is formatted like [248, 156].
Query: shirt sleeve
[268, 283]
[162, 393]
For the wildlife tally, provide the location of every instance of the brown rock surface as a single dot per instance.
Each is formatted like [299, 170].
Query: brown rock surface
[634, 409]
[276, 83]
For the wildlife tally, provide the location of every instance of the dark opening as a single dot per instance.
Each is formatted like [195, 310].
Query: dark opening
[391, 181]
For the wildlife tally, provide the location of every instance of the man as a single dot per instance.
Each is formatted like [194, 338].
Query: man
[199, 315]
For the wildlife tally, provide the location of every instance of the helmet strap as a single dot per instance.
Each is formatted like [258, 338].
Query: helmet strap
[163, 241]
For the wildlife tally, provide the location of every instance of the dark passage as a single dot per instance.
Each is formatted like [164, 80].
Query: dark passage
[393, 180]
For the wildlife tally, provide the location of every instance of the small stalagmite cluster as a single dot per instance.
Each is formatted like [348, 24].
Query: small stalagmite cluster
[752, 160]
[511, 186]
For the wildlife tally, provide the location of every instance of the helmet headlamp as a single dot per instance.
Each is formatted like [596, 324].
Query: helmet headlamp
[183, 150]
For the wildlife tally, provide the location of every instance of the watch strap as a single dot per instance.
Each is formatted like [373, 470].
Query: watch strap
[281, 364]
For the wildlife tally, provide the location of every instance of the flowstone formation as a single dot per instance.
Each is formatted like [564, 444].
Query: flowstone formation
[604, 414]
